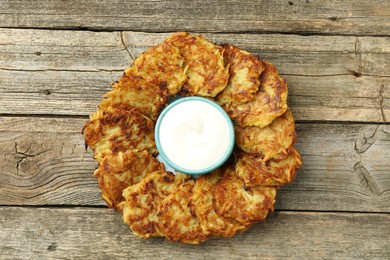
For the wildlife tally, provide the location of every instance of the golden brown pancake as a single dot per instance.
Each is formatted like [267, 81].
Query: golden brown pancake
[143, 199]
[134, 91]
[206, 72]
[163, 66]
[176, 217]
[268, 142]
[117, 130]
[205, 208]
[247, 205]
[269, 102]
[255, 171]
[244, 82]
[119, 171]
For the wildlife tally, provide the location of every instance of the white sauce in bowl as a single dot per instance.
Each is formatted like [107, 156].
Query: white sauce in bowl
[194, 135]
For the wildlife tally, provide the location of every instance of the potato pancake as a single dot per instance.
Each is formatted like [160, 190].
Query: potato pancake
[206, 72]
[244, 81]
[269, 102]
[270, 141]
[255, 171]
[247, 205]
[205, 209]
[119, 171]
[176, 218]
[134, 91]
[163, 66]
[118, 130]
[142, 200]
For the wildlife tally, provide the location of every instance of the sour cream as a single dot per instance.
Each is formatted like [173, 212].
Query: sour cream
[194, 135]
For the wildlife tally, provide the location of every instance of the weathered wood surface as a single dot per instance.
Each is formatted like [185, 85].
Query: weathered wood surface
[346, 167]
[356, 17]
[87, 233]
[337, 78]
[58, 57]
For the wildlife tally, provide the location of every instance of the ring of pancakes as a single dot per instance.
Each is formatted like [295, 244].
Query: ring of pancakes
[241, 192]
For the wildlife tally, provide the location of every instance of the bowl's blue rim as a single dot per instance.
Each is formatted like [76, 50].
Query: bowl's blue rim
[187, 171]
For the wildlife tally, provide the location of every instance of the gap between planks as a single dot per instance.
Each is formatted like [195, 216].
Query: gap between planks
[302, 122]
[345, 17]
[80, 206]
[114, 30]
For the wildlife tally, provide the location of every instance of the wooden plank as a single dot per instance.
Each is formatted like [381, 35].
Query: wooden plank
[356, 17]
[43, 161]
[66, 72]
[95, 51]
[62, 50]
[53, 92]
[36, 233]
[346, 167]
[339, 97]
[297, 55]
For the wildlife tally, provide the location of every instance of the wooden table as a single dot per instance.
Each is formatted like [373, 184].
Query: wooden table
[57, 58]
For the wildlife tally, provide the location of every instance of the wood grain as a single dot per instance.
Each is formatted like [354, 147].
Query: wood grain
[43, 161]
[296, 16]
[58, 58]
[346, 167]
[337, 78]
[86, 233]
